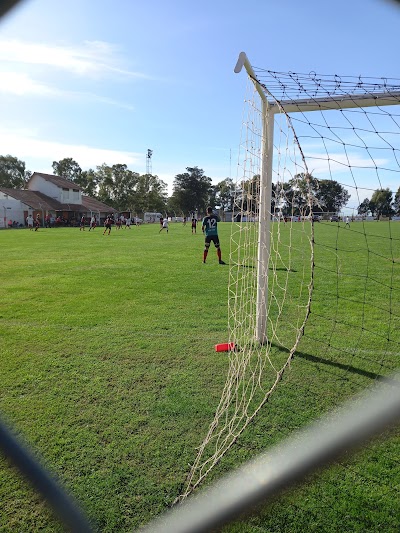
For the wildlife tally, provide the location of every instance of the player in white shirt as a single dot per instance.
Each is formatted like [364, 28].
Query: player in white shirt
[164, 225]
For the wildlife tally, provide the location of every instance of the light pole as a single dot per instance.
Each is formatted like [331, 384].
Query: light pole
[149, 169]
[42, 210]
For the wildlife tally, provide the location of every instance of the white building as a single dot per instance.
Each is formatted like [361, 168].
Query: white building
[49, 195]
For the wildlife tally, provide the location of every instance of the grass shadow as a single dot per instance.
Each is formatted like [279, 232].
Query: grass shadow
[335, 364]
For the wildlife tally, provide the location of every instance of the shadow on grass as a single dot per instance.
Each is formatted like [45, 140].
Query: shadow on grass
[321, 360]
[348, 368]
[270, 268]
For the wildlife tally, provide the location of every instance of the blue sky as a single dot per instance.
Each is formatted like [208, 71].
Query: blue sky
[102, 81]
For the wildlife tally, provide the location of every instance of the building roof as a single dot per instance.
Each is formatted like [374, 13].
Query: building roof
[57, 180]
[38, 200]
[91, 204]
[33, 199]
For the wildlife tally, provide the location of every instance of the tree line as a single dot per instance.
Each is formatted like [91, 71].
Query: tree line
[382, 203]
[126, 190]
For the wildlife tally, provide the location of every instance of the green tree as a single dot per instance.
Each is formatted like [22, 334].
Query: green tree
[284, 194]
[192, 190]
[13, 173]
[212, 196]
[225, 194]
[89, 181]
[299, 194]
[247, 195]
[382, 200]
[304, 191]
[116, 185]
[396, 202]
[67, 168]
[151, 195]
[173, 208]
[330, 195]
[364, 208]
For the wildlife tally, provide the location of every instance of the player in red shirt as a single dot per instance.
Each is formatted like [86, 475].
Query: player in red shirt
[107, 225]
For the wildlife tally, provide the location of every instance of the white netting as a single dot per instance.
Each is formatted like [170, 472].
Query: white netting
[330, 154]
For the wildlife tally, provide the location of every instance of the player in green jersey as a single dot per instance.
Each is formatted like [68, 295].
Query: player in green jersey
[210, 228]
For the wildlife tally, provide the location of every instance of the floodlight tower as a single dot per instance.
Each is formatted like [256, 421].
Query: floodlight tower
[149, 169]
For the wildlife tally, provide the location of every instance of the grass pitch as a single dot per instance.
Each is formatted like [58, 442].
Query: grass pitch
[108, 371]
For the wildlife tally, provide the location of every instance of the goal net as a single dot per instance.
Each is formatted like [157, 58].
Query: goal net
[315, 256]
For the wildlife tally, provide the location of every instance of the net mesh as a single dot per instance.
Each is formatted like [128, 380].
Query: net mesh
[332, 270]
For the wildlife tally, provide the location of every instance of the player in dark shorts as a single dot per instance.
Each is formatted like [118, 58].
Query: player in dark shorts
[82, 225]
[107, 225]
[210, 229]
[194, 225]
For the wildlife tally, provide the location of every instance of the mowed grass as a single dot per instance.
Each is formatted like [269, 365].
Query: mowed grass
[108, 371]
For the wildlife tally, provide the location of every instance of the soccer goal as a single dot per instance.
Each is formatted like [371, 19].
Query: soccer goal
[314, 268]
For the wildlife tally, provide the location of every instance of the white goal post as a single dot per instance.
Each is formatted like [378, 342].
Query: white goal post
[268, 110]
[304, 279]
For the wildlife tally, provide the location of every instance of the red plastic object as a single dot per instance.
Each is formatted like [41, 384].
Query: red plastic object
[225, 347]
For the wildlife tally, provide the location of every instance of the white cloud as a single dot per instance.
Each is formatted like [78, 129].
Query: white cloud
[34, 152]
[21, 84]
[91, 59]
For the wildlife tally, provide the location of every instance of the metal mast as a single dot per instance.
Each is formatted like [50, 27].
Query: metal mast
[149, 169]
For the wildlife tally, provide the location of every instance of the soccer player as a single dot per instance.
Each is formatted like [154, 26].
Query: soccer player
[92, 223]
[107, 225]
[210, 229]
[194, 224]
[164, 225]
[30, 222]
[82, 226]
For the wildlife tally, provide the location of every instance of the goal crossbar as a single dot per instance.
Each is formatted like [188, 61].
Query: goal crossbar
[322, 104]
[316, 104]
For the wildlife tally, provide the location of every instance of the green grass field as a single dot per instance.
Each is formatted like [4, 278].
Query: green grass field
[108, 371]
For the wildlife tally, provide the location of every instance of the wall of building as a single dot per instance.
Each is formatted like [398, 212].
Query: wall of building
[37, 183]
[12, 209]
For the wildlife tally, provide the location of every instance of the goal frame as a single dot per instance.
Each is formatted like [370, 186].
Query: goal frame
[268, 110]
